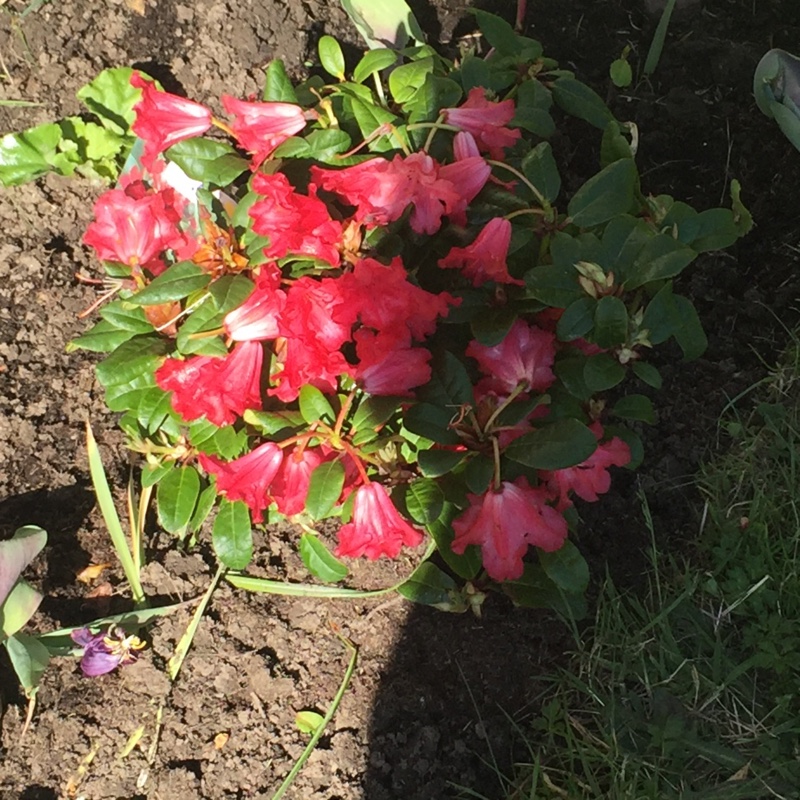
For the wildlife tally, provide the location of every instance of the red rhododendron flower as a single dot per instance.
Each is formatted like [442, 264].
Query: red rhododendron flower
[163, 119]
[377, 528]
[135, 230]
[290, 487]
[257, 318]
[381, 190]
[505, 523]
[261, 127]
[484, 259]
[525, 356]
[247, 478]
[221, 389]
[485, 120]
[388, 365]
[296, 224]
[590, 478]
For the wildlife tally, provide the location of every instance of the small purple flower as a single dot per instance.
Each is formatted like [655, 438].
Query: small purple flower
[103, 652]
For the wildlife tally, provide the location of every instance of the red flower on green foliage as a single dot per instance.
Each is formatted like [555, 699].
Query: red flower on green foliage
[485, 120]
[105, 651]
[388, 365]
[525, 356]
[377, 529]
[221, 389]
[484, 259]
[257, 318]
[590, 478]
[261, 127]
[296, 224]
[134, 228]
[504, 523]
[381, 190]
[164, 119]
[248, 478]
[290, 487]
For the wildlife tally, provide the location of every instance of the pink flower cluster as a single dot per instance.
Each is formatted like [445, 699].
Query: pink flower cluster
[349, 320]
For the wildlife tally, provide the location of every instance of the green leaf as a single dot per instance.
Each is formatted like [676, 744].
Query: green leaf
[435, 94]
[570, 371]
[30, 658]
[554, 285]
[138, 357]
[567, 568]
[277, 86]
[620, 73]
[432, 422]
[614, 145]
[716, 229]
[450, 384]
[602, 371]
[314, 406]
[577, 319]
[647, 373]
[492, 325]
[372, 62]
[26, 156]
[308, 721]
[205, 502]
[661, 257]
[273, 422]
[208, 161]
[324, 489]
[604, 195]
[535, 589]
[111, 98]
[561, 444]
[177, 497]
[610, 322]
[498, 33]
[578, 99]
[319, 561]
[331, 57]
[327, 144]
[232, 535]
[369, 117]
[478, 474]
[389, 23]
[406, 80]
[16, 553]
[435, 463]
[635, 406]
[690, 336]
[466, 565]
[541, 170]
[429, 586]
[18, 607]
[424, 500]
[373, 412]
[175, 283]
[102, 337]
[229, 292]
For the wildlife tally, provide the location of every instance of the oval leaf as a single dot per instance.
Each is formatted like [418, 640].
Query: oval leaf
[331, 57]
[563, 444]
[635, 406]
[308, 721]
[424, 500]
[429, 586]
[177, 497]
[324, 489]
[314, 406]
[610, 322]
[319, 561]
[605, 195]
[232, 535]
[175, 283]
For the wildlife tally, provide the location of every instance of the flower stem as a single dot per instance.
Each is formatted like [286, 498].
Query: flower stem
[539, 196]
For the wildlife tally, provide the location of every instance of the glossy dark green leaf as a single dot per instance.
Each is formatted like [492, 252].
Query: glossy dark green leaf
[369, 117]
[567, 568]
[177, 497]
[435, 94]
[372, 412]
[636, 407]
[229, 292]
[102, 337]
[541, 170]
[570, 371]
[208, 160]
[602, 371]
[614, 145]
[319, 561]
[424, 500]
[277, 86]
[205, 502]
[372, 62]
[604, 195]
[314, 406]
[492, 326]
[175, 283]
[232, 535]
[326, 145]
[535, 589]
[324, 489]
[498, 33]
[432, 422]
[648, 373]
[610, 322]
[467, 564]
[450, 384]
[578, 99]
[135, 358]
[406, 80]
[429, 586]
[479, 473]
[661, 257]
[553, 285]
[435, 463]
[577, 319]
[690, 336]
[562, 444]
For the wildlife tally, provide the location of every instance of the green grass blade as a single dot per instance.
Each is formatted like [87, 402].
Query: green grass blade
[109, 511]
[657, 45]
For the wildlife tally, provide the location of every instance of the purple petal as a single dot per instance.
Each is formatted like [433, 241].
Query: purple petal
[98, 661]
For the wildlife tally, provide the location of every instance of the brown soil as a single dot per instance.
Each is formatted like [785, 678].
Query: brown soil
[435, 696]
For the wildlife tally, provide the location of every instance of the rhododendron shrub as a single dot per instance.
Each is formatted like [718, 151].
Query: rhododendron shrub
[371, 300]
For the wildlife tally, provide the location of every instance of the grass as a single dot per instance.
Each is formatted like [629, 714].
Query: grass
[692, 689]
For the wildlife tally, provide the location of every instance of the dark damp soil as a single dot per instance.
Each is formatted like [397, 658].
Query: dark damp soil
[434, 696]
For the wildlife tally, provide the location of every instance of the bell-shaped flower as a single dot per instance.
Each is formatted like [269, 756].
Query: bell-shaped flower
[504, 523]
[290, 487]
[221, 389]
[163, 119]
[591, 477]
[524, 356]
[105, 651]
[484, 259]
[485, 120]
[389, 365]
[248, 478]
[295, 224]
[377, 529]
[261, 127]
[256, 319]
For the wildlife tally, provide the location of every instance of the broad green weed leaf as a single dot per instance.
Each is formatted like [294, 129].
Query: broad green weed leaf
[16, 553]
[18, 607]
[308, 721]
[111, 98]
[28, 155]
[319, 561]
[30, 658]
